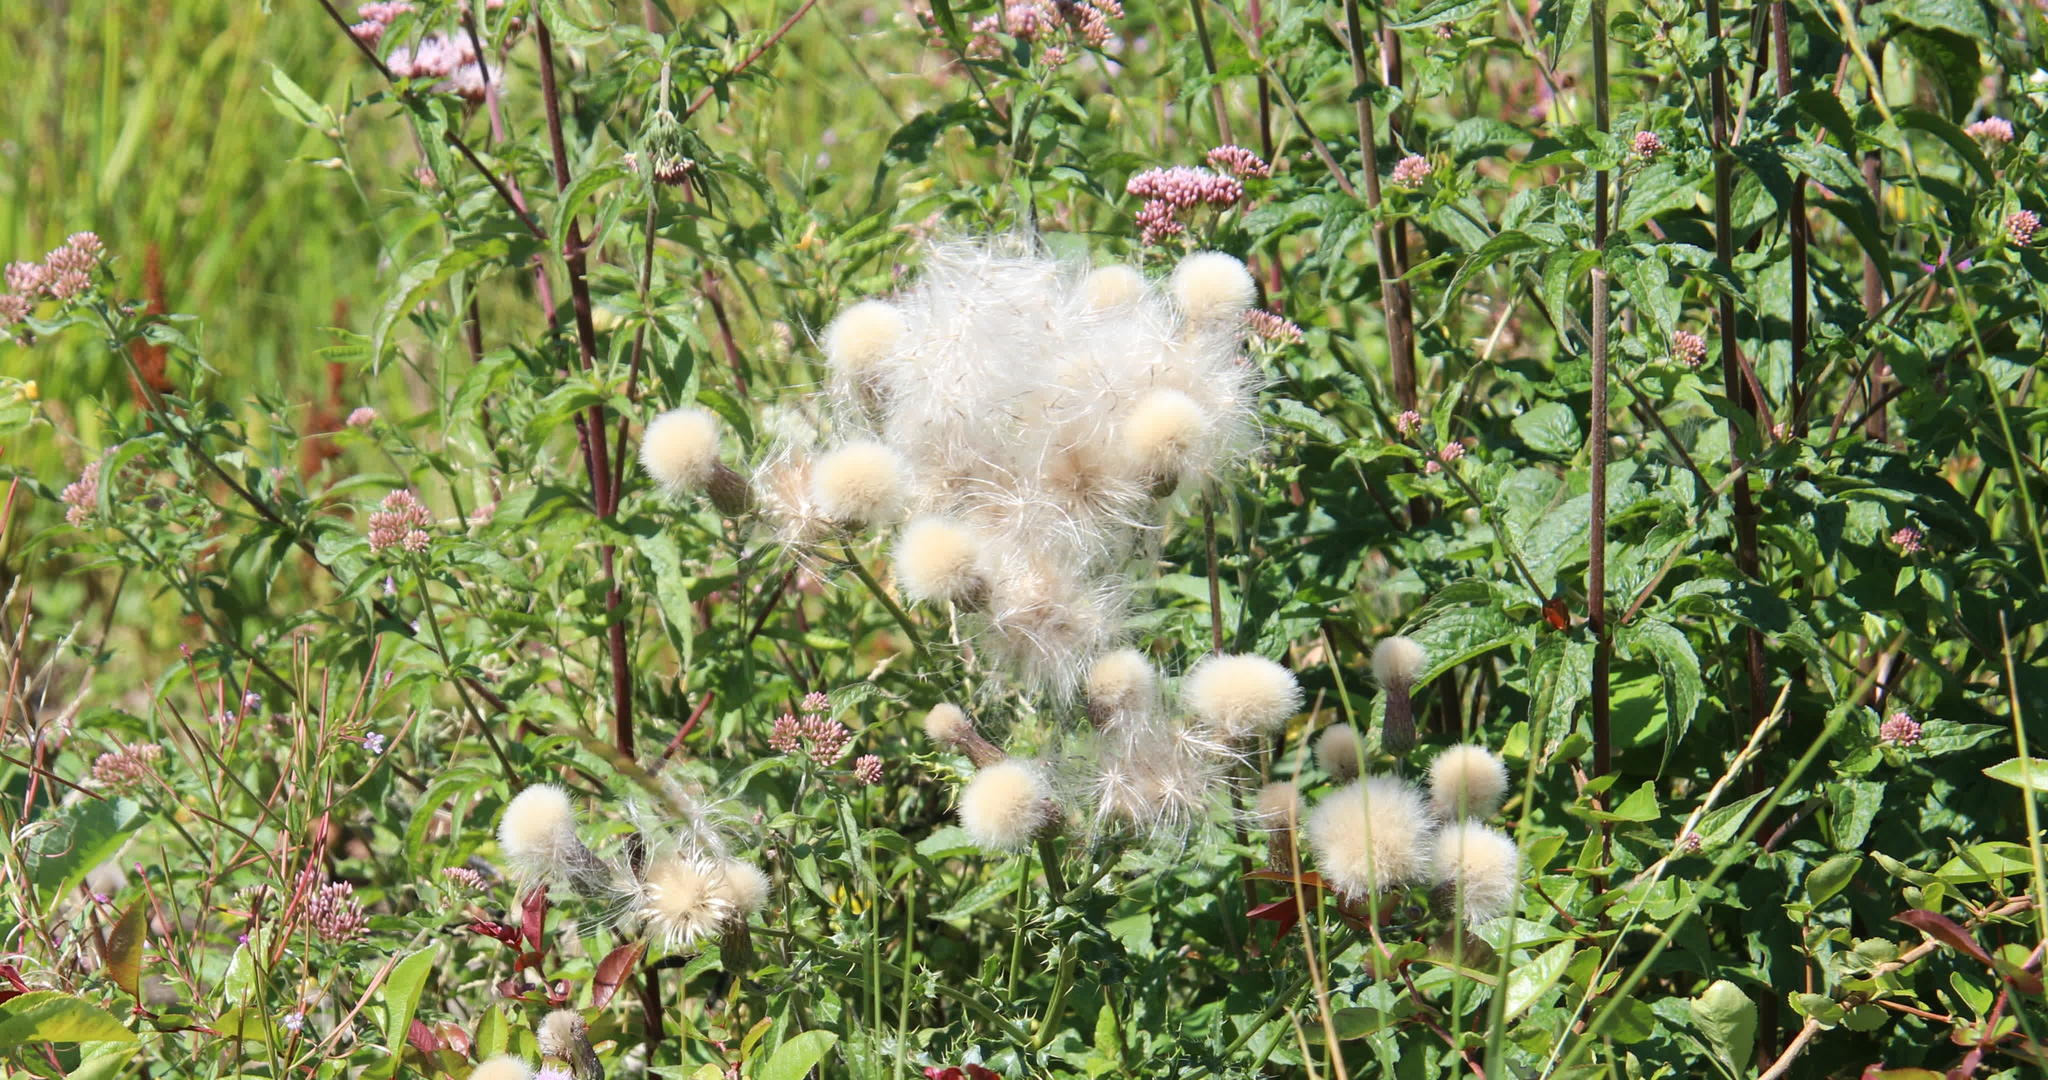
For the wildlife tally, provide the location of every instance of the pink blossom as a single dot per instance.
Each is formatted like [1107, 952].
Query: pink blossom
[868, 768]
[14, 309]
[68, 283]
[1996, 128]
[369, 31]
[1910, 540]
[362, 417]
[1688, 348]
[127, 766]
[82, 496]
[1273, 328]
[1238, 161]
[26, 277]
[1412, 170]
[1648, 145]
[1156, 222]
[1408, 423]
[1182, 186]
[786, 737]
[2020, 226]
[1451, 451]
[827, 739]
[465, 878]
[67, 258]
[332, 910]
[401, 523]
[1899, 730]
[1432, 467]
[87, 242]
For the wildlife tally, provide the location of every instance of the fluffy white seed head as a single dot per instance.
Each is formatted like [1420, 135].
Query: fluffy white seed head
[744, 886]
[1108, 288]
[938, 560]
[537, 836]
[1005, 805]
[947, 724]
[1480, 867]
[679, 450]
[502, 1067]
[860, 483]
[1242, 696]
[1371, 835]
[1467, 782]
[863, 336]
[1121, 683]
[1340, 751]
[559, 1033]
[683, 901]
[1396, 661]
[1212, 287]
[1278, 806]
[1165, 435]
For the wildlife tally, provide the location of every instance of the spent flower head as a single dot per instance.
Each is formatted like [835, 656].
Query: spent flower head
[1688, 348]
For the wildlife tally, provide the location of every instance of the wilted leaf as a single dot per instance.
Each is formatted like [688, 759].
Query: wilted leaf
[616, 967]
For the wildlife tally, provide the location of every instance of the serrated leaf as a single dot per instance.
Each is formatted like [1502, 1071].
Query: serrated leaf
[1678, 667]
[1550, 428]
[50, 1016]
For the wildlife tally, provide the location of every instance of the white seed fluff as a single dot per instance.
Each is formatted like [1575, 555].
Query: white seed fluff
[1111, 287]
[1371, 835]
[1481, 866]
[744, 886]
[946, 724]
[860, 483]
[559, 1032]
[1242, 696]
[537, 835]
[1397, 660]
[1467, 781]
[679, 449]
[1339, 751]
[1278, 806]
[863, 336]
[1005, 805]
[681, 901]
[1165, 434]
[502, 1067]
[1212, 287]
[938, 560]
[1122, 682]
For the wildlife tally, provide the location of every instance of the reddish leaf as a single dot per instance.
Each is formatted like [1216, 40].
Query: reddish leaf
[453, 1037]
[1285, 912]
[423, 1038]
[1310, 879]
[13, 976]
[534, 917]
[1555, 613]
[976, 1072]
[559, 993]
[613, 970]
[1944, 929]
[1967, 1067]
[496, 931]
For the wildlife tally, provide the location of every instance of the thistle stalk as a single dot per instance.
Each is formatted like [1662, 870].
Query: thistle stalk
[1393, 298]
[1596, 559]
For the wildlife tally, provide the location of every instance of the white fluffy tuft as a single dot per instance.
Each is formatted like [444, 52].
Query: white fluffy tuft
[1166, 435]
[559, 1033]
[1278, 806]
[947, 724]
[537, 836]
[502, 1067]
[1109, 288]
[938, 561]
[1242, 696]
[1212, 287]
[679, 449]
[863, 336]
[683, 900]
[1467, 781]
[744, 886]
[1371, 835]
[1122, 683]
[1006, 805]
[860, 483]
[1340, 751]
[1397, 660]
[1481, 867]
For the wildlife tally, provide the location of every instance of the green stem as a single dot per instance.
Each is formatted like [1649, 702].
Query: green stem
[896, 612]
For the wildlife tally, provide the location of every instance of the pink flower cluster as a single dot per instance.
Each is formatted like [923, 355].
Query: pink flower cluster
[376, 17]
[1238, 161]
[465, 879]
[1899, 730]
[126, 766]
[82, 496]
[402, 522]
[1688, 348]
[1910, 540]
[1450, 452]
[1052, 24]
[1408, 423]
[816, 734]
[2020, 226]
[331, 909]
[363, 416]
[65, 273]
[1170, 192]
[1272, 327]
[1995, 128]
[1411, 171]
[1648, 145]
[868, 769]
[451, 59]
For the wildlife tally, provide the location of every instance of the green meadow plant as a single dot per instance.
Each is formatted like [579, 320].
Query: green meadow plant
[1053, 538]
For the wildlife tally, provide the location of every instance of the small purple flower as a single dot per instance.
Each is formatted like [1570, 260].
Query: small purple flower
[1450, 452]
[293, 1022]
[252, 702]
[374, 742]
[1648, 145]
[82, 496]
[1910, 541]
[1900, 730]
[1273, 328]
[362, 417]
[1411, 171]
[1691, 842]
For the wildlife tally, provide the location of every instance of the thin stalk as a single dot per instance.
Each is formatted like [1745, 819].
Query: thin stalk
[1796, 224]
[1875, 424]
[1209, 61]
[896, 612]
[1215, 583]
[1596, 559]
[1400, 330]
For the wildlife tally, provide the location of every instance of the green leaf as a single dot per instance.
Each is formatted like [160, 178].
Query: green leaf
[1444, 11]
[580, 193]
[1550, 428]
[424, 277]
[1491, 255]
[795, 1058]
[1530, 981]
[123, 953]
[2027, 774]
[402, 997]
[83, 835]
[1679, 669]
[49, 1016]
[1831, 877]
[1727, 1018]
[294, 103]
